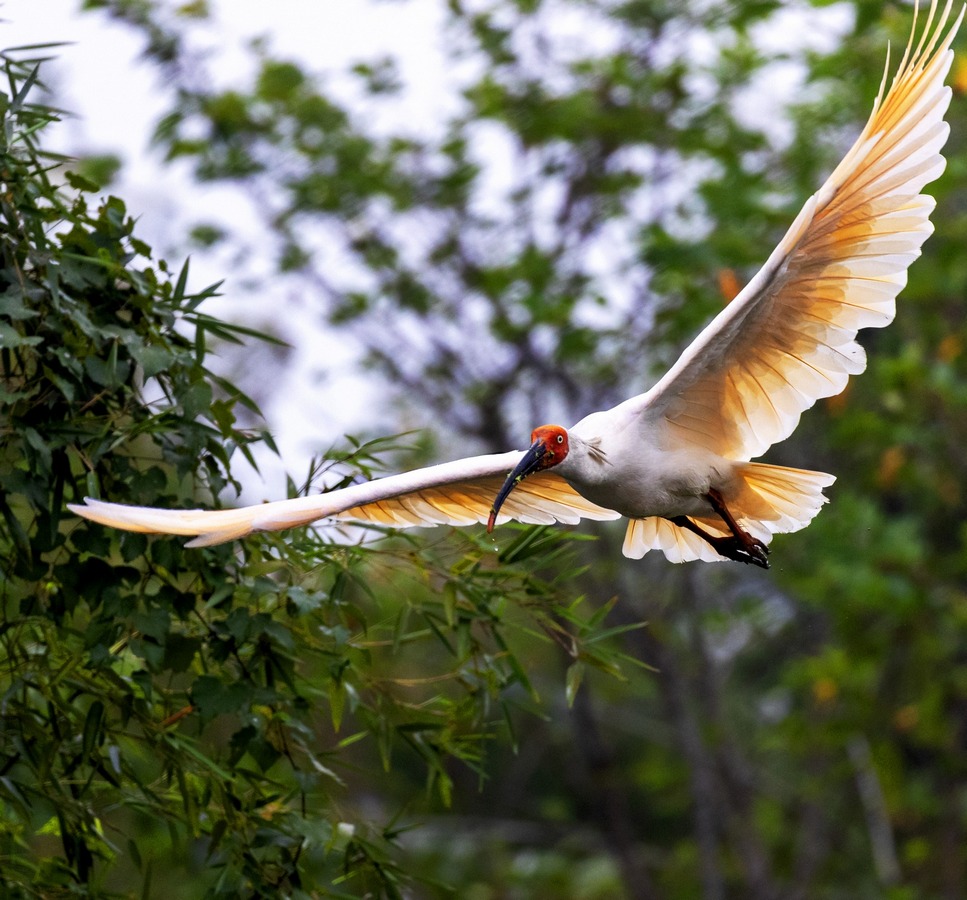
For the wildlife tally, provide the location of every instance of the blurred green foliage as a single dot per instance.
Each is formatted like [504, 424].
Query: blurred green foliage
[426, 716]
[208, 718]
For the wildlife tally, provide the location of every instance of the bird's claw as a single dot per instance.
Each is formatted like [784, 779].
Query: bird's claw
[757, 553]
[749, 550]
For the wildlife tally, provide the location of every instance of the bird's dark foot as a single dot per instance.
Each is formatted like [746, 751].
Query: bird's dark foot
[745, 549]
[741, 547]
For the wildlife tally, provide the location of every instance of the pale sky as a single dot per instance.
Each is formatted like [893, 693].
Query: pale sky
[117, 100]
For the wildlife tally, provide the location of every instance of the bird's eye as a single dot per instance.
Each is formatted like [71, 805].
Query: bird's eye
[560, 438]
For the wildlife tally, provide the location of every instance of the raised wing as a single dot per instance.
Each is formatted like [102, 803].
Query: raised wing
[788, 338]
[455, 493]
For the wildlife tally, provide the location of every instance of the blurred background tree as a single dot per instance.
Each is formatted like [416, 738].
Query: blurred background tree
[611, 175]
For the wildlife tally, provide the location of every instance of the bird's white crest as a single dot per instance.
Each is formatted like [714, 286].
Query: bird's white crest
[787, 340]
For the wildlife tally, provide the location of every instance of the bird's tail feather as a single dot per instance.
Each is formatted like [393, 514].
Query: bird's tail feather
[767, 500]
[678, 544]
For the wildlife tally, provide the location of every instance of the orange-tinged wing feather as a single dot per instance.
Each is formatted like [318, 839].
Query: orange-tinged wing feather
[456, 493]
[789, 338]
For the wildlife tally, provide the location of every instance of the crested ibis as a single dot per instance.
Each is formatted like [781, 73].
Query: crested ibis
[677, 460]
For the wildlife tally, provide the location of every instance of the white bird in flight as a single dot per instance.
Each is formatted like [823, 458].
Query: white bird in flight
[676, 460]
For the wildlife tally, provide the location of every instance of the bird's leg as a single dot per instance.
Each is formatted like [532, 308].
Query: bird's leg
[756, 551]
[728, 546]
[740, 545]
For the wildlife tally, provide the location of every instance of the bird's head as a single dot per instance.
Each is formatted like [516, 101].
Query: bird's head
[548, 447]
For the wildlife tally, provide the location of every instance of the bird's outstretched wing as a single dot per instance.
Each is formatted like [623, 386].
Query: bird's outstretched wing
[789, 338]
[455, 493]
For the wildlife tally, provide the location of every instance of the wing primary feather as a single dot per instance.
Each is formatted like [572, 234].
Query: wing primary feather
[459, 493]
[789, 337]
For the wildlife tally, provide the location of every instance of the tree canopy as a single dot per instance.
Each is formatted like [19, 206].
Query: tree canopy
[434, 714]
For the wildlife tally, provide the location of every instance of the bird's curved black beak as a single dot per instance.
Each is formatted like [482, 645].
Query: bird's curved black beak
[532, 461]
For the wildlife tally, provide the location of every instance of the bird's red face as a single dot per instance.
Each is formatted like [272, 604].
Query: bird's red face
[548, 448]
[553, 439]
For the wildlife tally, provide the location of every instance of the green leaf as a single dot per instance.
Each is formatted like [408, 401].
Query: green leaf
[575, 675]
[93, 725]
[10, 338]
[337, 702]
[213, 697]
[13, 307]
[196, 400]
[180, 652]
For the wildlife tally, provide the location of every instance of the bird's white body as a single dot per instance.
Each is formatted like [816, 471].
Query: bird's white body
[619, 460]
[676, 460]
